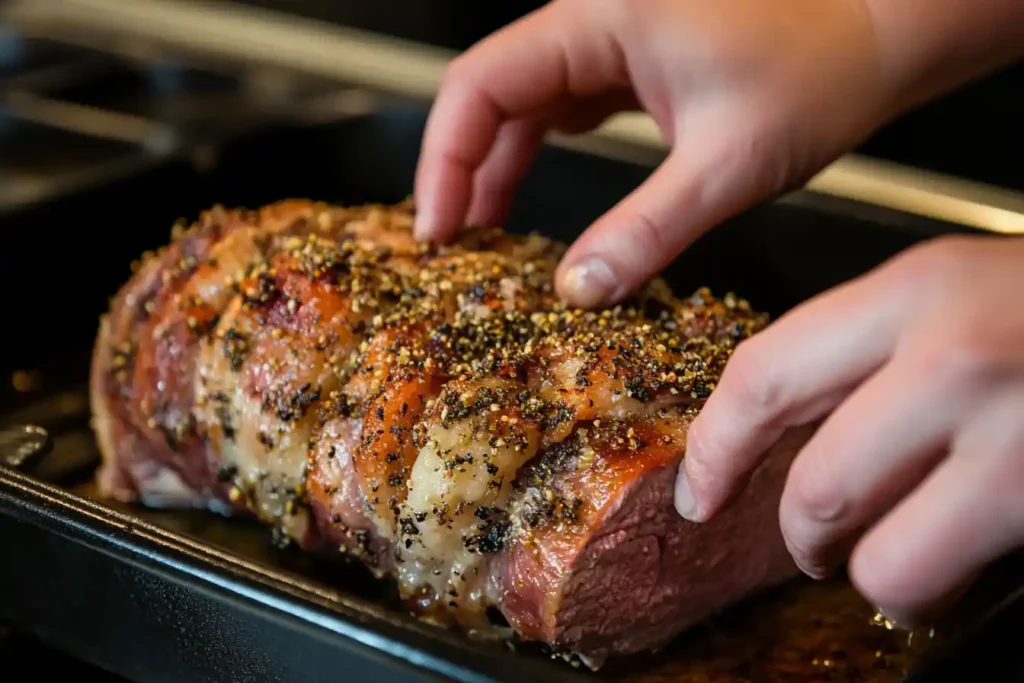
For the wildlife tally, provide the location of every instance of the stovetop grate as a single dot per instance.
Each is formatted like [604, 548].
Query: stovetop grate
[71, 116]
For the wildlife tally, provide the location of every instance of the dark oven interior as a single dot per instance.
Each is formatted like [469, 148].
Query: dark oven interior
[78, 205]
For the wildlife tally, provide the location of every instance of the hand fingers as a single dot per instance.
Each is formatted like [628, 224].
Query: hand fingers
[637, 238]
[789, 374]
[847, 476]
[513, 152]
[516, 73]
[517, 144]
[968, 513]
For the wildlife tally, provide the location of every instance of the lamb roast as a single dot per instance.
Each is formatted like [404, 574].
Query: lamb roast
[436, 412]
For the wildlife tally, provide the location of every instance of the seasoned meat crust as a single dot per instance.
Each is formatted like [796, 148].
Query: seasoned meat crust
[438, 413]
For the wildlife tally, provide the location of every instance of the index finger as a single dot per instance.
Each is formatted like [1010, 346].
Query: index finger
[525, 69]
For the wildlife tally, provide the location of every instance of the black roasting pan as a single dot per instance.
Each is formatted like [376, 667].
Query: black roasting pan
[183, 597]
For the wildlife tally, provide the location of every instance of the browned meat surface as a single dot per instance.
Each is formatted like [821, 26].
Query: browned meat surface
[142, 384]
[276, 351]
[600, 563]
[437, 413]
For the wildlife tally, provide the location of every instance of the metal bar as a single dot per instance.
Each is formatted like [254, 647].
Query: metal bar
[246, 35]
[93, 121]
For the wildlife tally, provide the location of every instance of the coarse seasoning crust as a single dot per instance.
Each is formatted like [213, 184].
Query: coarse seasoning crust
[472, 318]
[426, 409]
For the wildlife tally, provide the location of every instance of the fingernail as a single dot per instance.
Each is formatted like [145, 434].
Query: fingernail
[686, 504]
[589, 283]
[817, 572]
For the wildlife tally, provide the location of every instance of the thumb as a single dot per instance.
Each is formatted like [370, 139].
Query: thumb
[643, 233]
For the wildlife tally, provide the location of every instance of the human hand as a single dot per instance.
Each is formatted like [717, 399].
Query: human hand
[753, 97]
[920, 468]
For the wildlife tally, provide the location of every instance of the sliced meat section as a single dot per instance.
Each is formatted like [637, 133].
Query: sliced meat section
[472, 442]
[142, 374]
[411, 354]
[597, 561]
[336, 497]
[143, 382]
[279, 348]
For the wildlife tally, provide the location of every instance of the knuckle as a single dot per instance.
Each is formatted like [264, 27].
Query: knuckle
[970, 357]
[459, 73]
[648, 234]
[812, 495]
[763, 165]
[931, 265]
[960, 359]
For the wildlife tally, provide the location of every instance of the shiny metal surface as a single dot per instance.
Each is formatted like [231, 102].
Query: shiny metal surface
[243, 35]
[20, 445]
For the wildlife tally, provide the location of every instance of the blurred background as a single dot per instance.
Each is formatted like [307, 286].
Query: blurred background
[974, 133]
[86, 84]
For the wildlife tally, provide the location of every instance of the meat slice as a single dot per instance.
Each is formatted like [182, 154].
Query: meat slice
[280, 346]
[411, 355]
[598, 562]
[143, 380]
[336, 496]
[472, 443]
[141, 385]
